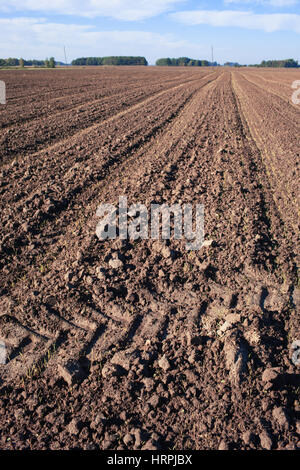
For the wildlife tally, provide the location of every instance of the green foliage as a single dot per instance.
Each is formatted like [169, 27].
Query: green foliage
[12, 62]
[286, 63]
[232, 64]
[184, 62]
[113, 60]
[164, 62]
[93, 61]
[34, 63]
[52, 63]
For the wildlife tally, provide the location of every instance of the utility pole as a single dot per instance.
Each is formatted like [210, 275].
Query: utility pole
[66, 61]
[212, 55]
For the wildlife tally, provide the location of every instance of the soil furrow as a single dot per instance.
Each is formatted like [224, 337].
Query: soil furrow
[54, 128]
[173, 349]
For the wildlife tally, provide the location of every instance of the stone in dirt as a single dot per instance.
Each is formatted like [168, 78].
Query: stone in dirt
[125, 358]
[73, 427]
[68, 276]
[115, 263]
[155, 401]
[150, 445]
[270, 374]
[99, 420]
[164, 363]
[113, 370]
[166, 252]
[128, 439]
[280, 415]
[223, 445]
[265, 440]
[230, 321]
[149, 384]
[100, 273]
[138, 434]
[71, 372]
[248, 437]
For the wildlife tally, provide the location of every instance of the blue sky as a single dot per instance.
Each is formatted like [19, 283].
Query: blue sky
[246, 31]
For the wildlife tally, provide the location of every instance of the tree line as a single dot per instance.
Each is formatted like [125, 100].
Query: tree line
[131, 60]
[112, 60]
[187, 62]
[184, 62]
[287, 63]
[13, 62]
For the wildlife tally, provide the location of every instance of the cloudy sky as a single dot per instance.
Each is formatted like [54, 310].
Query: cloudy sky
[246, 31]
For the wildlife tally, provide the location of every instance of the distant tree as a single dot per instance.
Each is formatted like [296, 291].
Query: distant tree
[21, 63]
[232, 64]
[287, 63]
[52, 63]
[111, 60]
[93, 61]
[12, 62]
[80, 61]
[183, 62]
[47, 63]
[164, 62]
[291, 63]
[124, 60]
[35, 63]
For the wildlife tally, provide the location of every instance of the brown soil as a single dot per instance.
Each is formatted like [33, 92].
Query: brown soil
[171, 349]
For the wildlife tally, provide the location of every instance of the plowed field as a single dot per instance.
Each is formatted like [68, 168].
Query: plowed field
[142, 344]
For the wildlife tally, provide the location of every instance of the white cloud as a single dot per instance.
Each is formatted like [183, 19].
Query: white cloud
[241, 19]
[128, 10]
[37, 38]
[272, 3]
[283, 3]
